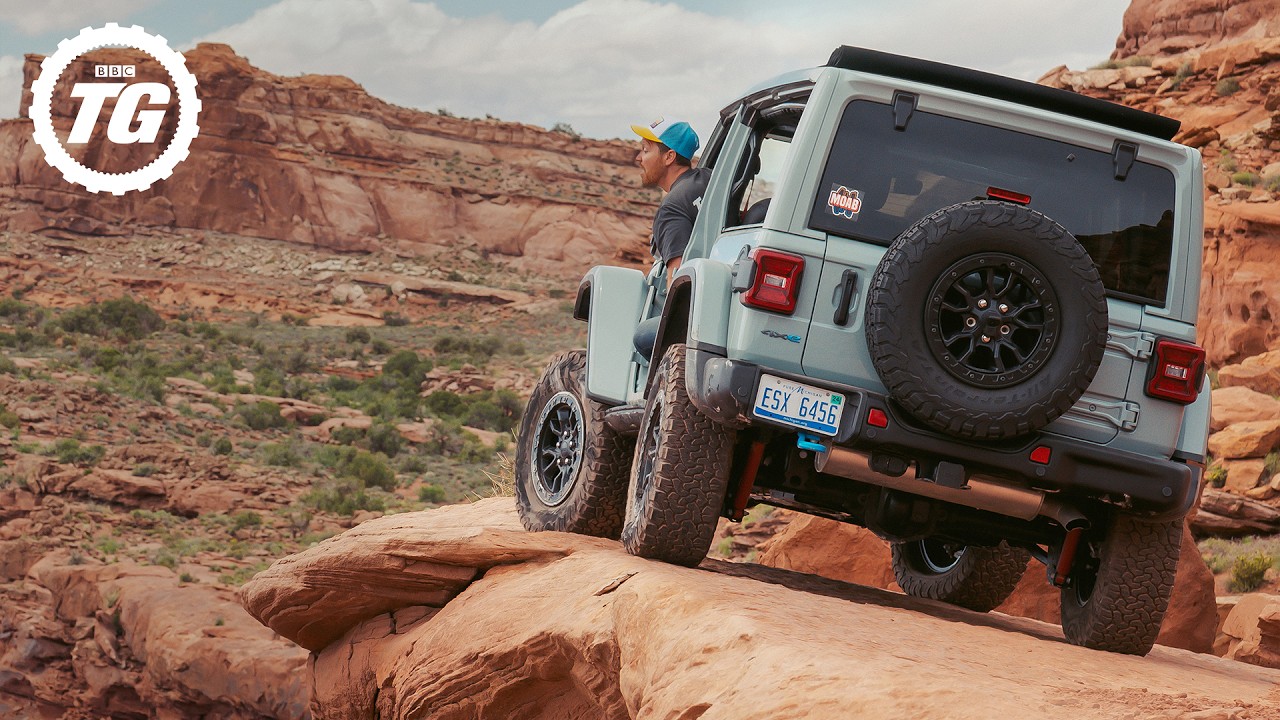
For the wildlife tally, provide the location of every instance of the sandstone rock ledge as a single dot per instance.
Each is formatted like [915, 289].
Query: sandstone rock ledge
[459, 613]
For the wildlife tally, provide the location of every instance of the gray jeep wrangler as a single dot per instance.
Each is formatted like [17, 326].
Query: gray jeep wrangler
[951, 307]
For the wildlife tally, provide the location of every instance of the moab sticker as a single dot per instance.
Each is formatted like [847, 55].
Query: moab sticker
[844, 202]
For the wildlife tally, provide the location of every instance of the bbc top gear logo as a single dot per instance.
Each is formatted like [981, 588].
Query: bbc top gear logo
[125, 112]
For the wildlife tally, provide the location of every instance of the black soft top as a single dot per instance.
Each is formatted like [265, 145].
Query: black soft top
[1003, 88]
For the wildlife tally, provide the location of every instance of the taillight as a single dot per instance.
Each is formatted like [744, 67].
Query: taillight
[776, 282]
[1177, 370]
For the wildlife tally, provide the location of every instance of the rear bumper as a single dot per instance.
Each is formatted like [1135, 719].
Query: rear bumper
[1154, 488]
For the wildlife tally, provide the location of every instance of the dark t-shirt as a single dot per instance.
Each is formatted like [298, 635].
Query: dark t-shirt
[673, 223]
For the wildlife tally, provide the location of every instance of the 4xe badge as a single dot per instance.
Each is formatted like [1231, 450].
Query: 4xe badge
[844, 202]
[128, 122]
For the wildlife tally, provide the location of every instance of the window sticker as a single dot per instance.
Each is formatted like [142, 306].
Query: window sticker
[844, 202]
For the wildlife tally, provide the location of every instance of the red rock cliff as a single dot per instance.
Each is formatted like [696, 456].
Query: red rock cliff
[317, 160]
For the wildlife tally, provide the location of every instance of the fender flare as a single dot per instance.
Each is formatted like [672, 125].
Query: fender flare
[696, 311]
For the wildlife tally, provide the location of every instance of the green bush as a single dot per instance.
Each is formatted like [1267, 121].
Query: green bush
[372, 470]
[123, 316]
[1216, 476]
[283, 454]
[1226, 86]
[358, 335]
[222, 446]
[262, 415]
[1227, 161]
[431, 494]
[245, 519]
[384, 438]
[1247, 179]
[343, 496]
[69, 451]
[9, 418]
[1249, 571]
[144, 470]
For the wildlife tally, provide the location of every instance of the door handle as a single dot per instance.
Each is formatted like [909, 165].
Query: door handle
[848, 283]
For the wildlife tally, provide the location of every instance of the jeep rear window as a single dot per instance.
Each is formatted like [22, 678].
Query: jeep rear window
[878, 181]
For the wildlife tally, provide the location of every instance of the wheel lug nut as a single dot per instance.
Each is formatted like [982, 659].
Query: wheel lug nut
[982, 304]
[986, 339]
[1004, 308]
[1004, 329]
[970, 322]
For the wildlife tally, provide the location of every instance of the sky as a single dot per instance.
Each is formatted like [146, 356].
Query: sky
[598, 65]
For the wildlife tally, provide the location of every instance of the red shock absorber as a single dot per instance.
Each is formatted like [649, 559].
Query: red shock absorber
[747, 481]
[1067, 557]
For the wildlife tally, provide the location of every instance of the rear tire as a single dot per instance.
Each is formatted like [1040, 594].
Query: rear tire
[973, 577]
[680, 473]
[571, 467]
[1120, 586]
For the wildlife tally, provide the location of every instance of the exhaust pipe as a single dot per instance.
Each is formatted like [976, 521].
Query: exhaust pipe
[982, 493]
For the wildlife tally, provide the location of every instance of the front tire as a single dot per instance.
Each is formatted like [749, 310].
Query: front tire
[680, 472]
[571, 467]
[1120, 586]
[973, 577]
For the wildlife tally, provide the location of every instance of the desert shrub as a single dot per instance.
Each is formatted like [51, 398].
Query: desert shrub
[339, 383]
[431, 494]
[343, 496]
[9, 418]
[477, 350]
[108, 358]
[1184, 72]
[1216, 476]
[497, 410]
[384, 438]
[13, 308]
[1249, 571]
[358, 335]
[347, 435]
[245, 519]
[1247, 179]
[222, 446]
[407, 365]
[7, 365]
[70, 451]
[1227, 161]
[123, 316]
[394, 319]
[372, 470]
[1226, 86]
[282, 454]
[144, 470]
[262, 415]
[380, 347]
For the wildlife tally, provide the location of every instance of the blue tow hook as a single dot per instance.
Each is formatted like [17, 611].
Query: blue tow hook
[807, 441]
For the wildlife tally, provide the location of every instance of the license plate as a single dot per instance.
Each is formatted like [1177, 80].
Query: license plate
[799, 405]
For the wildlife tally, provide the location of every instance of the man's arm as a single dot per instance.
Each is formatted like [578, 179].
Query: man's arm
[672, 265]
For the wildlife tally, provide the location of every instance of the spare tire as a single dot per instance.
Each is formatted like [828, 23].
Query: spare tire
[986, 320]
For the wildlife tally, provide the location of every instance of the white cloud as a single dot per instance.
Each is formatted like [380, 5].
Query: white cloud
[603, 64]
[34, 18]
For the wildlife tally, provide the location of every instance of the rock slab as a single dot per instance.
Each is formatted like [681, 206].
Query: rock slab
[562, 626]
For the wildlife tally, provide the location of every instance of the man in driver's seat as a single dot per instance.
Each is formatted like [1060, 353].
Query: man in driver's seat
[666, 161]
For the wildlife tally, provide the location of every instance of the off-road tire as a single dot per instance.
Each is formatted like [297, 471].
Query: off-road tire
[979, 579]
[590, 499]
[1120, 586]
[1038, 308]
[680, 473]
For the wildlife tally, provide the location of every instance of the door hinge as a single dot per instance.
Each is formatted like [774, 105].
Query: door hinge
[1122, 414]
[1136, 344]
